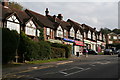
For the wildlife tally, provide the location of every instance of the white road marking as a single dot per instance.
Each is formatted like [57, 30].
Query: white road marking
[67, 74]
[77, 72]
[63, 72]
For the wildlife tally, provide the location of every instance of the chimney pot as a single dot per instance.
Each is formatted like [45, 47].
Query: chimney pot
[60, 16]
[47, 12]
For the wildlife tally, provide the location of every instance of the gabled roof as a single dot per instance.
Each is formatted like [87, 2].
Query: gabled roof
[65, 25]
[6, 11]
[22, 15]
[75, 25]
[40, 19]
[87, 28]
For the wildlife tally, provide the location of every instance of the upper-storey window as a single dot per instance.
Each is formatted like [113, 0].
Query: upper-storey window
[65, 32]
[100, 36]
[59, 32]
[84, 34]
[47, 31]
[72, 32]
[94, 36]
[89, 34]
[13, 23]
[30, 28]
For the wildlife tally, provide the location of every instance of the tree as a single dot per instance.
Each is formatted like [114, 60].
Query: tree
[16, 5]
[10, 40]
[117, 31]
[105, 30]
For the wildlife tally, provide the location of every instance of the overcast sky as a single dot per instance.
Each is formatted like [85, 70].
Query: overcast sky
[94, 14]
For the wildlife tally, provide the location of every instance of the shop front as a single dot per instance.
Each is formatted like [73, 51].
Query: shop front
[69, 42]
[87, 44]
[78, 48]
[55, 41]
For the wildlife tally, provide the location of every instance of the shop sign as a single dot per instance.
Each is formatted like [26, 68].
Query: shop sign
[79, 43]
[69, 40]
[54, 41]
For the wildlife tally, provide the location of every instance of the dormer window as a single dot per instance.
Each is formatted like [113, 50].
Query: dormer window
[89, 34]
[13, 23]
[100, 36]
[72, 32]
[84, 34]
[78, 35]
[48, 31]
[59, 32]
[30, 29]
[93, 36]
[65, 32]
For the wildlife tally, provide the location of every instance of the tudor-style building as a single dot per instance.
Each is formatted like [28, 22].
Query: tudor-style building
[18, 20]
[101, 41]
[90, 39]
[76, 33]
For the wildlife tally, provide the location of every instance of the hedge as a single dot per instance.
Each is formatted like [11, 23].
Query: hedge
[57, 52]
[66, 47]
[10, 41]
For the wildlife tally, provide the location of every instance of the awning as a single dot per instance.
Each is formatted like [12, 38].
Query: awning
[69, 40]
[79, 43]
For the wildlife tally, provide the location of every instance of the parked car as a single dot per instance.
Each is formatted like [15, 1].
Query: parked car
[85, 51]
[108, 52]
[90, 51]
[118, 51]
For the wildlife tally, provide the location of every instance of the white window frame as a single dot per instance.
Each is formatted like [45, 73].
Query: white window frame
[89, 34]
[72, 32]
[48, 31]
[65, 32]
[30, 28]
[93, 36]
[13, 21]
[59, 32]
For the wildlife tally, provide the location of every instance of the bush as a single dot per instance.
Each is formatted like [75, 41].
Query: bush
[44, 50]
[66, 47]
[10, 41]
[57, 52]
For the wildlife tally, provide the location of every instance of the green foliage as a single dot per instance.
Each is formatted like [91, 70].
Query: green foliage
[57, 52]
[10, 40]
[105, 30]
[44, 50]
[66, 47]
[33, 50]
[117, 31]
[41, 37]
[16, 5]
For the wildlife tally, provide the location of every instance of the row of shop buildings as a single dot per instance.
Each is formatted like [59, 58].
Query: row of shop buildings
[55, 29]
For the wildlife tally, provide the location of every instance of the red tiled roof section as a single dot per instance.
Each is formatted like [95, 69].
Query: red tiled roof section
[75, 25]
[64, 24]
[22, 15]
[41, 19]
[6, 11]
[86, 27]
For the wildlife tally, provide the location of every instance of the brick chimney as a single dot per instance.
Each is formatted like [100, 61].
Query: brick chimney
[46, 12]
[5, 3]
[54, 17]
[60, 16]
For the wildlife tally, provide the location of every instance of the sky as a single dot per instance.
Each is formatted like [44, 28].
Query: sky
[95, 14]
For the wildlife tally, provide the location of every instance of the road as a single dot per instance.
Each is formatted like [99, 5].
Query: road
[91, 67]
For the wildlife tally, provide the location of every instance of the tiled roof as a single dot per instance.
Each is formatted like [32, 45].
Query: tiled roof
[86, 27]
[75, 25]
[40, 19]
[65, 25]
[6, 11]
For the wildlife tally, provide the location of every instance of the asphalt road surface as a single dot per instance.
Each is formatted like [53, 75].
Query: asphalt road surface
[93, 67]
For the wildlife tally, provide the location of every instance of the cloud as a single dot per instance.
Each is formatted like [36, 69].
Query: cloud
[95, 14]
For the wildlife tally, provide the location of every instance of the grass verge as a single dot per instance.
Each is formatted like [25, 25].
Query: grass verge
[45, 61]
[100, 53]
